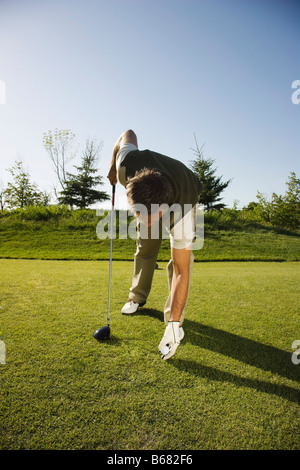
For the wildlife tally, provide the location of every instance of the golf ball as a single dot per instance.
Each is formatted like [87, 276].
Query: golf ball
[165, 350]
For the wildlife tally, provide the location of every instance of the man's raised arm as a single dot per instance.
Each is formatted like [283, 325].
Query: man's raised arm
[128, 137]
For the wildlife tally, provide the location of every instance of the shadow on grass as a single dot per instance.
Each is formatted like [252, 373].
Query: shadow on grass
[211, 373]
[248, 351]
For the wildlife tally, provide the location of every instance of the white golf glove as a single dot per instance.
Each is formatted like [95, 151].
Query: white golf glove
[171, 340]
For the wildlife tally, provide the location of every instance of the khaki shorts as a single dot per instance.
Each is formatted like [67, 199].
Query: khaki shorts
[183, 232]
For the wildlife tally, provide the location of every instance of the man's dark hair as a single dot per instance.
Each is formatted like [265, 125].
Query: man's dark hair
[148, 187]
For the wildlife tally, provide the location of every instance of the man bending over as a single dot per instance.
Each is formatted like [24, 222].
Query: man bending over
[155, 183]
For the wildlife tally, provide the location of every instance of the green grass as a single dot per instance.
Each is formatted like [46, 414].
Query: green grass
[231, 384]
[77, 239]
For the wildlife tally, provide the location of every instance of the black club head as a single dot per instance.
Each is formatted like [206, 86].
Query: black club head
[102, 333]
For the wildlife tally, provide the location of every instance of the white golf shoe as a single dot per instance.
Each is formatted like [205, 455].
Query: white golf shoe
[131, 307]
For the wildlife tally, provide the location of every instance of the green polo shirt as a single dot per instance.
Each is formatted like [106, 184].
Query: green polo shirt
[185, 185]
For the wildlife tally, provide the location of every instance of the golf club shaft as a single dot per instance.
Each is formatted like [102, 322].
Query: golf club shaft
[110, 253]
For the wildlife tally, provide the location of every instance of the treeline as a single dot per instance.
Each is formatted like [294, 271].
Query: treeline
[280, 212]
[81, 188]
[77, 189]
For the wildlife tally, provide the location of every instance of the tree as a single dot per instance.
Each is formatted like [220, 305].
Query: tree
[2, 196]
[79, 190]
[22, 193]
[59, 145]
[212, 185]
[283, 211]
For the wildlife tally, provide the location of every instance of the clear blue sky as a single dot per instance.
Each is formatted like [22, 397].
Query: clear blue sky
[168, 69]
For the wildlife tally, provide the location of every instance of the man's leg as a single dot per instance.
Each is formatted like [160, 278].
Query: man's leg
[144, 266]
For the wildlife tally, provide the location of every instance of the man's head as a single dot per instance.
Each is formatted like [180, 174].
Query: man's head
[148, 187]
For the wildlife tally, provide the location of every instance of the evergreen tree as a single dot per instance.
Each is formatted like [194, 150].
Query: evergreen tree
[212, 184]
[80, 189]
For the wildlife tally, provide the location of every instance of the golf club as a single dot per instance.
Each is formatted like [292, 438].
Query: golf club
[104, 332]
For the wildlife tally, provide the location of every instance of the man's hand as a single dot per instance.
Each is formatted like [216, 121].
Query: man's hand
[171, 339]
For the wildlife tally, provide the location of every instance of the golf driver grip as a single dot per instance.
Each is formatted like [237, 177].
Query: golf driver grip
[113, 196]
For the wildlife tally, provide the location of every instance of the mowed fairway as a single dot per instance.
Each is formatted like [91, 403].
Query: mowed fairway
[231, 385]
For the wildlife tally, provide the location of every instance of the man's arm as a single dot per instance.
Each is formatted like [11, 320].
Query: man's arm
[128, 137]
[179, 291]
[180, 282]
